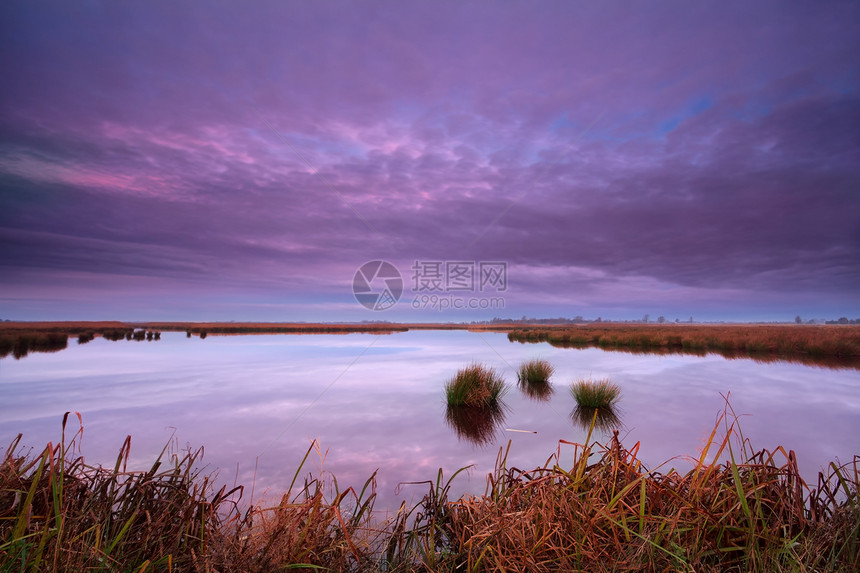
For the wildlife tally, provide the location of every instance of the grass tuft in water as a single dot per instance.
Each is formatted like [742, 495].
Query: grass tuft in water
[476, 386]
[593, 394]
[533, 379]
[595, 404]
[535, 371]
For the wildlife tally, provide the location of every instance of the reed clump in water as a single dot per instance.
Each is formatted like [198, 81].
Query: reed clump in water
[533, 379]
[597, 510]
[595, 394]
[596, 402]
[476, 386]
[535, 371]
[474, 407]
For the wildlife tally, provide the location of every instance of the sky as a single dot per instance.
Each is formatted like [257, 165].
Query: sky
[244, 161]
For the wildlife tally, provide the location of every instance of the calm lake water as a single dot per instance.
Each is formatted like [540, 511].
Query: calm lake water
[377, 402]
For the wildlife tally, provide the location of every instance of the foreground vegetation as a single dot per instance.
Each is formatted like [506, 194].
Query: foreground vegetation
[597, 510]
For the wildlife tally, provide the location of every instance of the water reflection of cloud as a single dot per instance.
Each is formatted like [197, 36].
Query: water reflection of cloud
[255, 402]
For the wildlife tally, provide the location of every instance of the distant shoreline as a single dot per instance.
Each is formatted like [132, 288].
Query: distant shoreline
[367, 326]
[825, 345]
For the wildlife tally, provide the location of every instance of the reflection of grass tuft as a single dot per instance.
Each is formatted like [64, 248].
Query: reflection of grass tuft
[475, 424]
[604, 419]
[476, 385]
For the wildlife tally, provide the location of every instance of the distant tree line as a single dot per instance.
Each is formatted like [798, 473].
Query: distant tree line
[575, 320]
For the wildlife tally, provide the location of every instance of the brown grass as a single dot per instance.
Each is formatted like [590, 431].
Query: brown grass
[597, 510]
[831, 345]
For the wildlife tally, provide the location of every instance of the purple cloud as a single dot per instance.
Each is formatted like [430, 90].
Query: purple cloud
[621, 159]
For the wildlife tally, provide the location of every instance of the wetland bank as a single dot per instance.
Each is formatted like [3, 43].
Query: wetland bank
[346, 407]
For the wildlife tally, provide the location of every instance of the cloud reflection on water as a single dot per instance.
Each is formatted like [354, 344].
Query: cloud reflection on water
[256, 402]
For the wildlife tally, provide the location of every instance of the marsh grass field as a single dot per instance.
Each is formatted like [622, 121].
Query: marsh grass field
[828, 345]
[600, 510]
